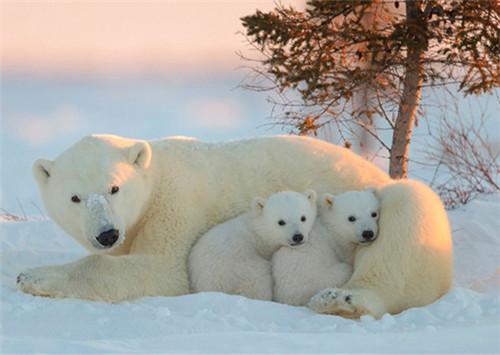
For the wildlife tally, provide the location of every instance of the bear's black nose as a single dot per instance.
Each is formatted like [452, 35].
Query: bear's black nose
[108, 238]
[368, 235]
[297, 238]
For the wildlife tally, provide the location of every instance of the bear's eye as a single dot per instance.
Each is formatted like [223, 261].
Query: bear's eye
[75, 199]
[114, 189]
[351, 219]
[303, 219]
[281, 222]
[374, 214]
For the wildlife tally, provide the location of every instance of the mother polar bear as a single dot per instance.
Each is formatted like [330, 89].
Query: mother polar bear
[140, 206]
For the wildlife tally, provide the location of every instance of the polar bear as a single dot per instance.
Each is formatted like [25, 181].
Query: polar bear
[411, 259]
[158, 197]
[344, 222]
[234, 256]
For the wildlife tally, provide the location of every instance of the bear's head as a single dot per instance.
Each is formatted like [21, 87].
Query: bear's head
[352, 216]
[284, 219]
[97, 189]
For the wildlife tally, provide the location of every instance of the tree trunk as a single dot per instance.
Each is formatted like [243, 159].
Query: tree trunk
[412, 85]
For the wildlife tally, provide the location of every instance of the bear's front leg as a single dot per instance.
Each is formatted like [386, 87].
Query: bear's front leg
[45, 281]
[105, 278]
[347, 303]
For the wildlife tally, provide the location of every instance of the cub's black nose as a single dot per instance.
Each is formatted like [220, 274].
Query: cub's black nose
[108, 238]
[368, 235]
[297, 238]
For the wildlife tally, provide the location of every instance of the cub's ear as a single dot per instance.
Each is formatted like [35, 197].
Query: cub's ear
[41, 170]
[311, 196]
[328, 201]
[258, 204]
[373, 190]
[140, 154]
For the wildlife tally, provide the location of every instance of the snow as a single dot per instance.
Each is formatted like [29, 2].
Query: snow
[466, 320]
[42, 117]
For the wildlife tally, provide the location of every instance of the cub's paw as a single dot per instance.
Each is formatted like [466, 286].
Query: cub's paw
[334, 301]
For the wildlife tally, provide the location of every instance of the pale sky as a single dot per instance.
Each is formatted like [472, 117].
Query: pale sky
[115, 37]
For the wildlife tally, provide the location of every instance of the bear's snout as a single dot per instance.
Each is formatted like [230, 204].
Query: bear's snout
[298, 238]
[368, 235]
[108, 238]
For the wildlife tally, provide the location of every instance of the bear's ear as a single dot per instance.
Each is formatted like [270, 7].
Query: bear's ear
[140, 154]
[41, 170]
[373, 190]
[258, 204]
[328, 201]
[311, 196]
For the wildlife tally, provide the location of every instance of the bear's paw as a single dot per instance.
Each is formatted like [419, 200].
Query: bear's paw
[336, 302]
[25, 278]
[40, 282]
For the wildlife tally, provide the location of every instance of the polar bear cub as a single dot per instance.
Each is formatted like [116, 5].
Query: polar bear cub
[234, 257]
[344, 222]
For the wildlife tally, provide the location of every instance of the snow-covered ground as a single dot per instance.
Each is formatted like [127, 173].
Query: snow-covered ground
[41, 118]
[467, 320]
[43, 114]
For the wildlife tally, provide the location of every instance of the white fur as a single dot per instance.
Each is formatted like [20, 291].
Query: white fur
[348, 216]
[234, 256]
[326, 259]
[174, 190]
[413, 226]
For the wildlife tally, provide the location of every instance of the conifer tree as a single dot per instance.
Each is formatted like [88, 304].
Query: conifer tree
[335, 51]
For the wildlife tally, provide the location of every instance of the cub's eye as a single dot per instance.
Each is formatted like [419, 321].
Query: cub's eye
[281, 222]
[352, 219]
[303, 219]
[75, 199]
[114, 189]
[374, 214]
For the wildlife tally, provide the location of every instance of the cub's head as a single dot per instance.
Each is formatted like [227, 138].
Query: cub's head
[97, 189]
[284, 219]
[352, 216]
